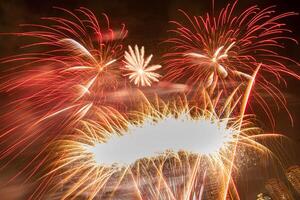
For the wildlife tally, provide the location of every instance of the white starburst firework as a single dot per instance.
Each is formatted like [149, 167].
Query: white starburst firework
[139, 71]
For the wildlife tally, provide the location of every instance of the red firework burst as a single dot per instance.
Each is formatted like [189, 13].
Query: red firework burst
[73, 65]
[217, 51]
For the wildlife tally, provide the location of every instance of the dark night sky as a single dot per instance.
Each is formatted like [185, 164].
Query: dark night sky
[147, 22]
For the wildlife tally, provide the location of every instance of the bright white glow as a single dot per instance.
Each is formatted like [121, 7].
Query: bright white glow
[151, 139]
[139, 70]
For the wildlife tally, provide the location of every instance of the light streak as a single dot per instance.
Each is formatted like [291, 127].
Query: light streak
[221, 50]
[72, 63]
[137, 66]
[105, 153]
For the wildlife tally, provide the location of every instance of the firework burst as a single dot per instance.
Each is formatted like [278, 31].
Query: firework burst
[88, 146]
[72, 66]
[148, 151]
[139, 71]
[217, 51]
[74, 62]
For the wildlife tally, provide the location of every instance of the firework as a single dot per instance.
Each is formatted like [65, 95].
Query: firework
[223, 50]
[139, 71]
[159, 152]
[213, 63]
[66, 102]
[72, 67]
[77, 65]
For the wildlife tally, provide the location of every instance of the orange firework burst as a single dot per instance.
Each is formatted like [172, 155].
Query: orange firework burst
[159, 152]
[219, 50]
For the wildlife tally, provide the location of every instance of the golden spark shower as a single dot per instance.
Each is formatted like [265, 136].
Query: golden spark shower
[94, 113]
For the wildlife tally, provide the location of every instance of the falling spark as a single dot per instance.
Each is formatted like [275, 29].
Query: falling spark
[103, 154]
[66, 99]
